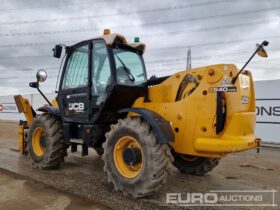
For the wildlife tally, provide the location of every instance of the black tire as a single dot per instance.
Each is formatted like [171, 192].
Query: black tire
[195, 165]
[156, 159]
[55, 148]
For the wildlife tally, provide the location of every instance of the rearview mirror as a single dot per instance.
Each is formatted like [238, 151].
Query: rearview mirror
[57, 51]
[41, 75]
[261, 52]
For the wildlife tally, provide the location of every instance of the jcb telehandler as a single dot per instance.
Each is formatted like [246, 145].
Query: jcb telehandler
[138, 125]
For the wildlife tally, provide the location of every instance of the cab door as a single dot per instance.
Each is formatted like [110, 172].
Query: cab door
[74, 94]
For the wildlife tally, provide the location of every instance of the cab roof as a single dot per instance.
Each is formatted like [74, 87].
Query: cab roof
[111, 38]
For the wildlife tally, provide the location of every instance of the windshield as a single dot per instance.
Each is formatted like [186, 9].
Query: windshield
[129, 67]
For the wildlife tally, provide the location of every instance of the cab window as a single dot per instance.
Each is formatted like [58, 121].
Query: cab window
[76, 73]
[101, 71]
[129, 67]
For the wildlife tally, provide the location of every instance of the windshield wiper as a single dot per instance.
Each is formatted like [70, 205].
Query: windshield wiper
[127, 70]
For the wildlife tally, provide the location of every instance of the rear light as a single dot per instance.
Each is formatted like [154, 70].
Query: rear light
[221, 111]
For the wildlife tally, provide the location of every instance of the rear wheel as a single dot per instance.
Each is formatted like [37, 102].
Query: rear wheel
[45, 142]
[135, 162]
[193, 164]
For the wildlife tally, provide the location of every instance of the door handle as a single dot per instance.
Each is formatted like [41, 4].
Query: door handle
[78, 95]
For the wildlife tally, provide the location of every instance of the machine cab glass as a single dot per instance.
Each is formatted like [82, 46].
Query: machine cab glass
[130, 68]
[101, 71]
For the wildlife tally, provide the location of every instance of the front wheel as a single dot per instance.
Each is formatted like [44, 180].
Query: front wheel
[135, 162]
[45, 142]
[194, 165]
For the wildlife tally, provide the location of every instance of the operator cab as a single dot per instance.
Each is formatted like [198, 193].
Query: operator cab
[100, 77]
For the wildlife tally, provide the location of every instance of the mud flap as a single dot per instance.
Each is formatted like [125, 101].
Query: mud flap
[160, 126]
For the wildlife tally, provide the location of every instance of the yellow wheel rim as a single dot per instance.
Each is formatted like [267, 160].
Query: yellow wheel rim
[37, 146]
[129, 171]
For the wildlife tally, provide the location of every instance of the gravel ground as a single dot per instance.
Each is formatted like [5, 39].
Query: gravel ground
[84, 176]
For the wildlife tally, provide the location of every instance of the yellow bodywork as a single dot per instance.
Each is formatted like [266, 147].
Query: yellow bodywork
[193, 117]
[21, 139]
[24, 107]
[54, 103]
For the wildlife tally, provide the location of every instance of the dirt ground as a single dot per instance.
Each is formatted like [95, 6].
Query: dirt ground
[84, 176]
[17, 192]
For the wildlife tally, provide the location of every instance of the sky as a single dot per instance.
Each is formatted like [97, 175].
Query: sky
[216, 31]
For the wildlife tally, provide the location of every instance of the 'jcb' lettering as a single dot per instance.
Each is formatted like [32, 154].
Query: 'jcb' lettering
[76, 106]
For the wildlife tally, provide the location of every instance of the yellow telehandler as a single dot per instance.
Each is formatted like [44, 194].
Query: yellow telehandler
[139, 126]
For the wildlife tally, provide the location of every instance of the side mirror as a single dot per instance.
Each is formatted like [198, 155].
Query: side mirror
[261, 52]
[41, 75]
[57, 51]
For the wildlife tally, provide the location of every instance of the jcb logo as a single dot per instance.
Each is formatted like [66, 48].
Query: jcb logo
[76, 106]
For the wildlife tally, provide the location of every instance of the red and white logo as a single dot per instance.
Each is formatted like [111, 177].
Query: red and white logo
[1, 108]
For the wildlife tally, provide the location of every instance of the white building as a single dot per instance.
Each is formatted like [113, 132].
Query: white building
[268, 110]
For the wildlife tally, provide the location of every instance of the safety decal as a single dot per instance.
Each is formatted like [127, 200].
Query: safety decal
[225, 82]
[244, 100]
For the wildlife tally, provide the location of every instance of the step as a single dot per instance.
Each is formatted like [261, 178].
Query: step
[77, 141]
